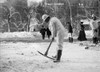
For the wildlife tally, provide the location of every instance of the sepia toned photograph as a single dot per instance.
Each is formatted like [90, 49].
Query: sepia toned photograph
[49, 35]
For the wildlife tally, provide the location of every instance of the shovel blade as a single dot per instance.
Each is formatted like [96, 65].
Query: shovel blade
[45, 55]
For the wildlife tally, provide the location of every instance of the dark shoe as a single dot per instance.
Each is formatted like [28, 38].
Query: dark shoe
[95, 40]
[55, 61]
[71, 40]
[59, 53]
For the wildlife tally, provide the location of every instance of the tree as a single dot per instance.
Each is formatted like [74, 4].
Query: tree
[11, 15]
[21, 7]
[5, 12]
[95, 6]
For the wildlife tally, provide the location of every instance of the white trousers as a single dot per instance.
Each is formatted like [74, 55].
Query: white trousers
[59, 40]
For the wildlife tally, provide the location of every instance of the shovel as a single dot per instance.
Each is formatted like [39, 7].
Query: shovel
[45, 54]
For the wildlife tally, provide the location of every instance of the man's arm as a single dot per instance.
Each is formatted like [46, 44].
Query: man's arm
[52, 28]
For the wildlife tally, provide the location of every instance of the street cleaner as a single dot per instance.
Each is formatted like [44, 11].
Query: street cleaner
[57, 30]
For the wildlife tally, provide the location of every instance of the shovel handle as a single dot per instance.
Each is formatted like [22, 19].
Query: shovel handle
[48, 48]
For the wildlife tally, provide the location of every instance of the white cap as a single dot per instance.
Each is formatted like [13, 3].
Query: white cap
[44, 17]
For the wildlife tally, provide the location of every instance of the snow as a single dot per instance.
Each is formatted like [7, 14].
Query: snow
[2, 1]
[23, 56]
[19, 34]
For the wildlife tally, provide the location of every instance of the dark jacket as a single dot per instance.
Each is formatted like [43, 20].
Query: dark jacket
[82, 35]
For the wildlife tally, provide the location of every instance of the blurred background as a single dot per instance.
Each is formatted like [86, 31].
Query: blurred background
[17, 15]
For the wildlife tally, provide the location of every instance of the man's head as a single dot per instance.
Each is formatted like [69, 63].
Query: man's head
[45, 18]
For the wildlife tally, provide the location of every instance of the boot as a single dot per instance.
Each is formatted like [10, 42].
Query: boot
[59, 53]
[94, 40]
[70, 39]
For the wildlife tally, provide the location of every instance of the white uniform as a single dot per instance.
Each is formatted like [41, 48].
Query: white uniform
[57, 30]
[94, 25]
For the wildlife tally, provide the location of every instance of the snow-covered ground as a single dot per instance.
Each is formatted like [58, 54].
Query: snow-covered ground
[19, 34]
[23, 57]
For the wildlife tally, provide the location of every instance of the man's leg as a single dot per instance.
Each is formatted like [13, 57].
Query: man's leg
[70, 37]
[59, 48]
[58, 57]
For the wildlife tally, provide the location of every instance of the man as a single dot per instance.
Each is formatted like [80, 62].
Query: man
[57, 30]
[43, 31]
[94, 28]
[98, 31]
[70, 31]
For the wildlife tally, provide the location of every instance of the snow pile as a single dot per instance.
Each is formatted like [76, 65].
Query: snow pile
[19, 34]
